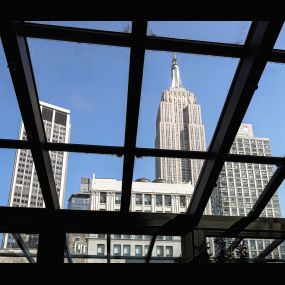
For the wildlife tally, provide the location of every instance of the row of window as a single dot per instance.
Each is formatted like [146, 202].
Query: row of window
[137, 237]
[147, 198]
[125, 250]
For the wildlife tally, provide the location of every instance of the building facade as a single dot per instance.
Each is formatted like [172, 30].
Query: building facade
[156, 197]
[240, 184]
[25, 188]
[179, 126]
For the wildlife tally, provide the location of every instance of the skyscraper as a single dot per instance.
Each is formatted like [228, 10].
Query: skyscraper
[240, 185]
[179, 126]
[25, 188]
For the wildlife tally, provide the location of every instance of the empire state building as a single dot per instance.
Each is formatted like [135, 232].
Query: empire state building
[179, 126]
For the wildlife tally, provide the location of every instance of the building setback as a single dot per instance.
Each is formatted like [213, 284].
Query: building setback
[25, 189]
[179, 126]
[240, 184]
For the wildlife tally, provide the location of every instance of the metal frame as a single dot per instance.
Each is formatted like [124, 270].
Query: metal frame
[254, 54]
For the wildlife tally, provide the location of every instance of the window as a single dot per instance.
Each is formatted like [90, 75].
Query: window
[147, 199]
[159, 250]
[138, 199]
[145, 249]
[167, 200]
[158, 200]
[138, 250]
[117, 249]
[169, 250]
[127, 250]
[103, 197]
[117, 198]
[101, 249]
[182, 201]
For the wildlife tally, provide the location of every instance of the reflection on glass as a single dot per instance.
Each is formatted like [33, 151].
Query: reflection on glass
[214, 31]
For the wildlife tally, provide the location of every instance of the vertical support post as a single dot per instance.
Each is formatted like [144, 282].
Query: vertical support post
[189, 245]
[108, 248]
[51, 247]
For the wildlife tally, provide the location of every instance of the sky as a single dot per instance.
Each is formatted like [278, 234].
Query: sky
[92, 81]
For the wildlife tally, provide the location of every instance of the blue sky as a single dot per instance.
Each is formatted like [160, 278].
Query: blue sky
[92, 80]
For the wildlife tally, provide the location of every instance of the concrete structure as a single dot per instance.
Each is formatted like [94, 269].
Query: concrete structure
[240, 185]
[25, 189]
[179, 126]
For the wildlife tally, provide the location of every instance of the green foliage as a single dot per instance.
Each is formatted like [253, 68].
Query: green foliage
[203, 255]
[225, 255]
[242, 255]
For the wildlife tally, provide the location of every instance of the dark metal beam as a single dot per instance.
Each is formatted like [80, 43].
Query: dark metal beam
[52, 245]
[143, 152]
[259, 44]
[19, 63]
[35, 220]
[108, 248]
[23, 247]
[71, 34]
[66, 251]
[234, 244]
[269, 249]
[18, 144]
[85, 148]
[277, 56]
[150, 249]
[133, 105]
[194, 47]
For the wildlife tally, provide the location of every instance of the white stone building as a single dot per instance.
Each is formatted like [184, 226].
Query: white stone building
[156, 197]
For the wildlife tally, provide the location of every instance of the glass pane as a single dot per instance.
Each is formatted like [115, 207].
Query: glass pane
[150, 194]
[20, 186]
[265, 117]
[87, 248]
[167, 249]
[90, 82]
[215, 31]
[179, 119]
[115, 26]
[280, 43]
[239, 187]
[9, 109]
[252, 247]
[93, 182]
[10, 251]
